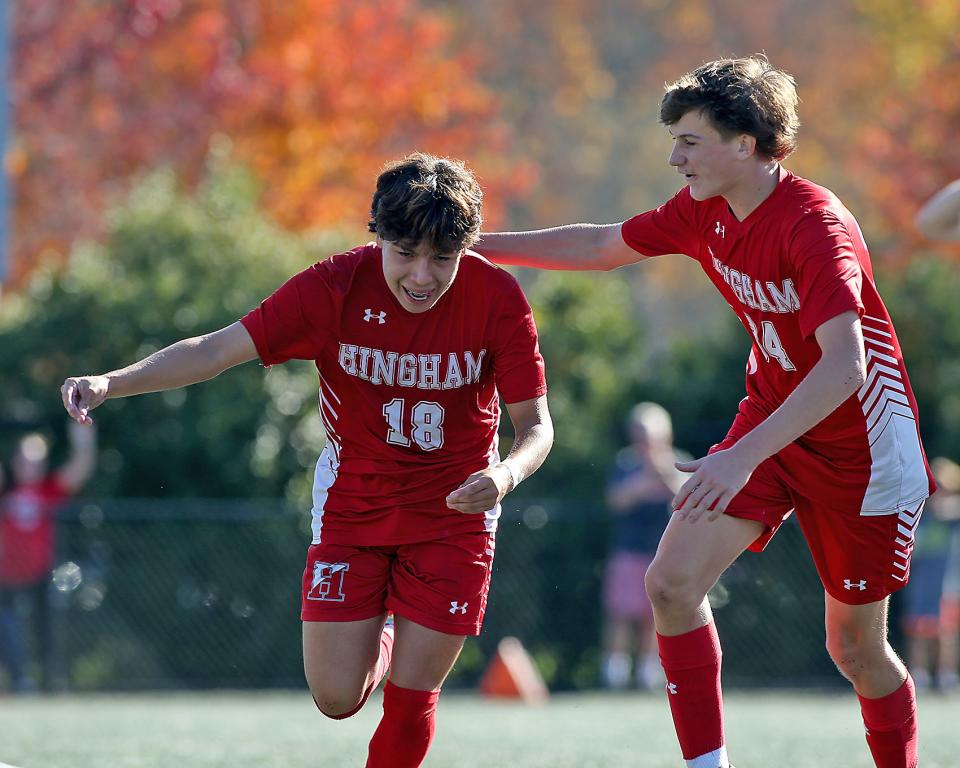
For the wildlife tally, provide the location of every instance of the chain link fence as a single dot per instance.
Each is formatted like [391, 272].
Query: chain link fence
[154, 594]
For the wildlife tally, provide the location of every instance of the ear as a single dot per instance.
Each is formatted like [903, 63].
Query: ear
[746, 145]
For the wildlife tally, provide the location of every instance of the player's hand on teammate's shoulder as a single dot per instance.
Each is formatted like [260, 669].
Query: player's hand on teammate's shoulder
[81, 394]
[714, 481]
[481, 491]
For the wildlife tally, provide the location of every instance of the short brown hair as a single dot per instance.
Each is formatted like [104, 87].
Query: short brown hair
[740, 96]
[427, 198]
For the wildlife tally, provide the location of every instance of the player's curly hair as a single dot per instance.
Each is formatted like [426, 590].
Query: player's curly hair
[740, 96]
[424, 198]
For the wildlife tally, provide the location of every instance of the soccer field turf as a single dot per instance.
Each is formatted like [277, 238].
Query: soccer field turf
[282, 730]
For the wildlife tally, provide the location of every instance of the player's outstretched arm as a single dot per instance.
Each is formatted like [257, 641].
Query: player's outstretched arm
[939, 218]
[574, 246]
[187, 362]
[533, 431]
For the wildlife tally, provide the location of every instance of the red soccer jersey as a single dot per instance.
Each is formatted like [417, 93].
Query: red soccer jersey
[796, 261]
[27, 531]
[409, 401]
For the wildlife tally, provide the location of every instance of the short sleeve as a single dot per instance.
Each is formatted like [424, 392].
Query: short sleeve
[828, 271]
[668, 229]
[517, 362]
[295, 321]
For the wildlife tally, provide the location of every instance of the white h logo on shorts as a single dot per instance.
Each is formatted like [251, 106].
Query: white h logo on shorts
[455, 606]
[326, 582]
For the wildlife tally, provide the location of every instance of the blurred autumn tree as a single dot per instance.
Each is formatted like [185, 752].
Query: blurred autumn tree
[170, 266]
[314, 94]
[879, 82]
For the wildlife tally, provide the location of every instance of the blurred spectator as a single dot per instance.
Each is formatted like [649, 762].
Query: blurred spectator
[641, 485]
[27, 544]
[939, 218]
[930, 615]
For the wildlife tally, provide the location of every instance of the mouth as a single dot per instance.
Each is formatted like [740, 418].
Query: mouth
[417, 297]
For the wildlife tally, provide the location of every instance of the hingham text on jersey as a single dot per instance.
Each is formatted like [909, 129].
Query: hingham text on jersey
[410, 370]
[751, 293]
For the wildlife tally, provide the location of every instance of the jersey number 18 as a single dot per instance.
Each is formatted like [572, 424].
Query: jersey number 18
[426, 424]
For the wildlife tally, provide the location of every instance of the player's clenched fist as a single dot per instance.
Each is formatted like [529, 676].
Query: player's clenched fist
[81, 394]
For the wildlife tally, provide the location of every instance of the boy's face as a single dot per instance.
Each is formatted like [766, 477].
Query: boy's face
[417, 275]
[711, 164]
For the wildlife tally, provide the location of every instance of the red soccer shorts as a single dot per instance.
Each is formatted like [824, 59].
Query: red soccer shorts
[860, 558]
[440, 584]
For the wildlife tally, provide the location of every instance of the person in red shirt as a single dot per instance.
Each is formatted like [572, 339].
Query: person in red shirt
[28, 545]
[416, 340]
[828, 428]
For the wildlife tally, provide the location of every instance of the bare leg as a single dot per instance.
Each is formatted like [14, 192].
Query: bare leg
[422, 660]
[857, 642]
[688, 563]
[339, 661]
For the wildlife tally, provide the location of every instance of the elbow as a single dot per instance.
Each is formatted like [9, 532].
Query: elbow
[856, 376]
[212, 355]
[546, 433]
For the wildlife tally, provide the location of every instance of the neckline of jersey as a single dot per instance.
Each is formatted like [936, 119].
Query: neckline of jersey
[760, 211]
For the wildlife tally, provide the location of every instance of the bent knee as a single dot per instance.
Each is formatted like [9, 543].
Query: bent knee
[671, 589]
[855, 656]
[336, 704]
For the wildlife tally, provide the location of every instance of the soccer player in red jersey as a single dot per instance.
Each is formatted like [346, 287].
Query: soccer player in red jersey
[828, 428]
[415, 340]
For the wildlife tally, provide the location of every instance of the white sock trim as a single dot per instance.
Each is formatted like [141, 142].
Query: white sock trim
[715, 759]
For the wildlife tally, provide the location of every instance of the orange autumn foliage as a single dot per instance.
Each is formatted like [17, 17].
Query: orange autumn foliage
[313, 95]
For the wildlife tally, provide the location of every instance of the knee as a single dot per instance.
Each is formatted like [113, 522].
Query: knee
[335, 703]
[853, 652]
[671, 590]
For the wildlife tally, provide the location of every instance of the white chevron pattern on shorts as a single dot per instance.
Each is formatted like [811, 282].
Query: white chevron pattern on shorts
[907, 527]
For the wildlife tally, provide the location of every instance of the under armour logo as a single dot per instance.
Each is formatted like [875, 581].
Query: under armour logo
[455, 606]
[861, 585]
[380, 317]
[720, 230]
[672, 689]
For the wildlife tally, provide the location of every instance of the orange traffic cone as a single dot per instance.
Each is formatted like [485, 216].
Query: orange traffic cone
[511, 674]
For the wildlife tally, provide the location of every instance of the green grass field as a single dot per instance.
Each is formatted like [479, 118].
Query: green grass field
[282, 730]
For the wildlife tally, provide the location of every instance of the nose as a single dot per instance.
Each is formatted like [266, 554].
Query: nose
[420, 272]
[676, 156]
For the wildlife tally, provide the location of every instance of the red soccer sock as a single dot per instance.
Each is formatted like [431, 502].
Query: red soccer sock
[406, 730]
[691, 662]
[891, 723]
[381, 669]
